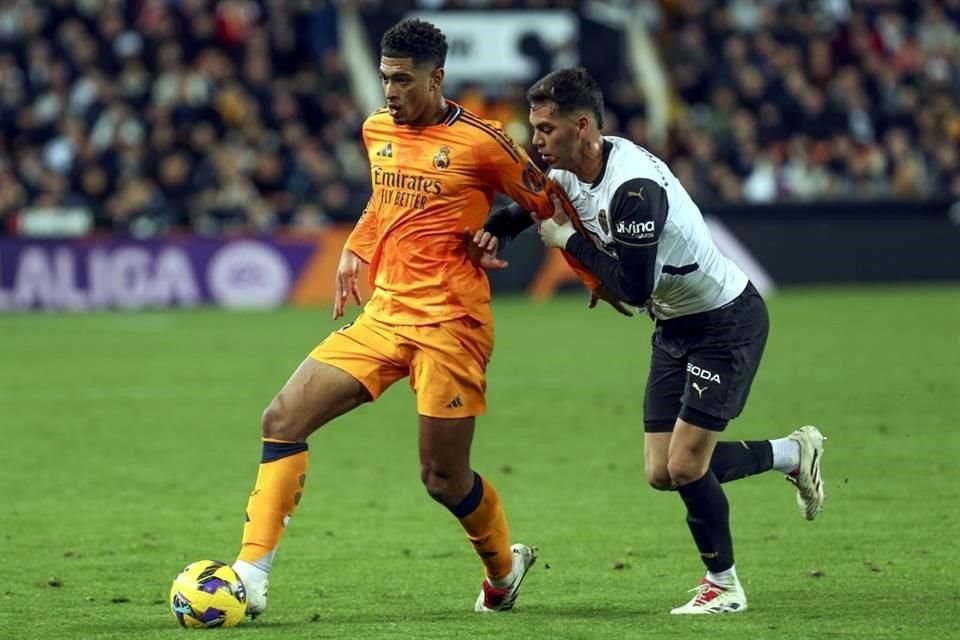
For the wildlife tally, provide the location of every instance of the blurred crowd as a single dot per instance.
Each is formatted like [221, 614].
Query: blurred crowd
[237, 115]
[215, 116]
[814, 99]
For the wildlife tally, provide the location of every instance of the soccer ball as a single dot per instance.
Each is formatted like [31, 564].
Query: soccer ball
[208, 594]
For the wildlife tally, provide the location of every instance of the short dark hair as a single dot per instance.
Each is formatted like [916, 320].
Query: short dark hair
[571, 89]
[417, 39]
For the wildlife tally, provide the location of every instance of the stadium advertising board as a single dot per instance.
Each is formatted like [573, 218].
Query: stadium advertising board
[842, 244]
[127, 274]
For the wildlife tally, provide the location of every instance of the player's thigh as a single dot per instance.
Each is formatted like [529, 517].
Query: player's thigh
[656, 449]
[666, 380]
[353, 365]
[448, 370]
[315, 394]
[691, 448]
[722, 365]
[367, 350]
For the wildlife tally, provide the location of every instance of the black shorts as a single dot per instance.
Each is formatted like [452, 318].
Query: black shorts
[703, 364]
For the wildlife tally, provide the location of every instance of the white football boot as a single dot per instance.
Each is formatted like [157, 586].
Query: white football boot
[256, 582]
[712, 598]
[493, 598]
[807, 478]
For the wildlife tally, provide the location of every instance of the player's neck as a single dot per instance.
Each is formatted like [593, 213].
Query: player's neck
[590, 165]
[436, 114]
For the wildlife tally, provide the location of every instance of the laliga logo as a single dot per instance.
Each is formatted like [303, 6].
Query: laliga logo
[694, 370]
[248, 274]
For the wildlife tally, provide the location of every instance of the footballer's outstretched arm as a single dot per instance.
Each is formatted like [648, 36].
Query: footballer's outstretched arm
[638, 212]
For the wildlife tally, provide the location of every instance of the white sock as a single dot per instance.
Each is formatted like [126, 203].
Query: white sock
[505, 581]
[255, 571]
[723, 578]
[786, 455]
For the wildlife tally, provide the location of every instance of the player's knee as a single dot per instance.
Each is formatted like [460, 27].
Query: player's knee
[438, 484]
[659, 479]
[684, 469]
[434, 482]
[276, 423]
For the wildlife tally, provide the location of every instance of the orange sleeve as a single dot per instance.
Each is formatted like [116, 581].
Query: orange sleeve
[363, 239]
[589, 280]
[522, 180]
[515, 174]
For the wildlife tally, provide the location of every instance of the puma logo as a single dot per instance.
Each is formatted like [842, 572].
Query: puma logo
[699, 389]
[636, 194]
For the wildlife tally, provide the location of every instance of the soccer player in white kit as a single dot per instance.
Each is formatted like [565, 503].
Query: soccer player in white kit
[643, 236]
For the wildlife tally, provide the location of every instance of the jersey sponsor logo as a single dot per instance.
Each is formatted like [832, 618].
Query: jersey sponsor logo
[699, 389]
[533, 178]
[602, 219]
[386, 151]
[397, 179]
[636, 194]
[442, 159]
[636, 229]
[700, 372]
[394, 187]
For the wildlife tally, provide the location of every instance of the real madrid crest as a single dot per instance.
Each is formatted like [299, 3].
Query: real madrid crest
[442, 159]
[602, 219]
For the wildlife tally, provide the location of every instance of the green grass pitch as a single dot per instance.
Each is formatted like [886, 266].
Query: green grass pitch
[130, 443]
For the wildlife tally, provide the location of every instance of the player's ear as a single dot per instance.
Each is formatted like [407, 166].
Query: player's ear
[436, 78]
[583, 124]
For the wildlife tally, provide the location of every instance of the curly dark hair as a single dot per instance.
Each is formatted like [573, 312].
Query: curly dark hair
[572, 89]
[417, 39]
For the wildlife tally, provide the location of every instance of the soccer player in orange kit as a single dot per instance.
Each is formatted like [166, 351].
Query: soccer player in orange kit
[435, 169]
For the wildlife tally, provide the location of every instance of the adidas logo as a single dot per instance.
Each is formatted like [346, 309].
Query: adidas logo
[456, 403]
[386, 151]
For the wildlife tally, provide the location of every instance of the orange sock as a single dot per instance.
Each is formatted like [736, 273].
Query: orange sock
[481, 515]
[280, 480]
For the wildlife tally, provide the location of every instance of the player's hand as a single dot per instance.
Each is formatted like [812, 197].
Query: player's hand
[602, 293]
[482, 249]
[348, 281]
[556, 231]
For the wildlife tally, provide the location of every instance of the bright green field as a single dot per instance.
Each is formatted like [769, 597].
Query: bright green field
[130, 443]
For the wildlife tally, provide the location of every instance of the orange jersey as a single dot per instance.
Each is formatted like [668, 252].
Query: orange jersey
[429, 185]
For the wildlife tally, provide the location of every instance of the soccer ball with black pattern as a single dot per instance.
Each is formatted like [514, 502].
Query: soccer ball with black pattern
[208, 594]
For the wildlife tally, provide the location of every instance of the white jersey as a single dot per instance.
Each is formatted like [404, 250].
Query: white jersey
[637, 202]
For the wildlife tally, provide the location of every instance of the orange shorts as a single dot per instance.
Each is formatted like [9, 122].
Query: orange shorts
[446, 362]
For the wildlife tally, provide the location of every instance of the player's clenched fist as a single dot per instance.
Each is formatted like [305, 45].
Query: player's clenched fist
[556, 231]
